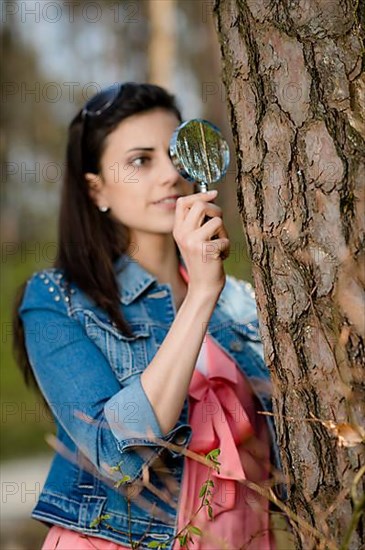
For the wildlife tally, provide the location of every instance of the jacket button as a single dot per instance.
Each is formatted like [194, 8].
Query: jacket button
[235, 345]
[181, 439]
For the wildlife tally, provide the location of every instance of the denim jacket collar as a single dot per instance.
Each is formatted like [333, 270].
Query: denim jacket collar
[132, 278]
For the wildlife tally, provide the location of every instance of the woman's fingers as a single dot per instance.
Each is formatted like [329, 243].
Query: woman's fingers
[196, 214]
[202, 253]
[190, 227]
[212, 227]
[184, 204]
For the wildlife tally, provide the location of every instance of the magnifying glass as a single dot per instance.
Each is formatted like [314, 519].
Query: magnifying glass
[199, 152]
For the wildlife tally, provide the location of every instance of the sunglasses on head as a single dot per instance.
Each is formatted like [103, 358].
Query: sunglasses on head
[96, 106]
[102, 101]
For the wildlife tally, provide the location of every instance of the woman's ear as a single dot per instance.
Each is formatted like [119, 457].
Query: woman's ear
[95, 186]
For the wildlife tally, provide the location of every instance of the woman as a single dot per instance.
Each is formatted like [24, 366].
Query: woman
[138, 340]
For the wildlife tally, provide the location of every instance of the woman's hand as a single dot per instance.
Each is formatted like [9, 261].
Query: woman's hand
[203, 257]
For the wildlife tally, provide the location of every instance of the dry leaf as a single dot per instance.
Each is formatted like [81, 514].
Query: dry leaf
[348, 435]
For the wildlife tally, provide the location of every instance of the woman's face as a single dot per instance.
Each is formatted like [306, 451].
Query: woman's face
[136, 172]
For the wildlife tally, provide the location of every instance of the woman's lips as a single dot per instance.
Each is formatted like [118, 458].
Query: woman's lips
[167, 205]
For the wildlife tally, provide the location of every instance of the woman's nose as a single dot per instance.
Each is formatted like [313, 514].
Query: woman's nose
[169, 173]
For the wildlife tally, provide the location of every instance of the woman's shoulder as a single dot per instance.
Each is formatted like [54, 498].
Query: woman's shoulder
[240, 286]
[238, 299]
[46, 288]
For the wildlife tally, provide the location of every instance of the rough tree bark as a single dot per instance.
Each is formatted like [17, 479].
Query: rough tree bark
[295, 86]
[162, 41]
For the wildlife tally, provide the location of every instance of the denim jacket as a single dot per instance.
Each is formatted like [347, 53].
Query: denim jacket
[89, 373]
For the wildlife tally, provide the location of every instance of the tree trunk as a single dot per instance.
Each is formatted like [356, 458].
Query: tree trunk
[162, 41]
[295, 86]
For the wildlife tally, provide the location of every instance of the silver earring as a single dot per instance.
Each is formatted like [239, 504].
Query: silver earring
[103, 208]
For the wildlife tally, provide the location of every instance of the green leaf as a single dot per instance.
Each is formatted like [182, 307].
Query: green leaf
[94, 523]
[154, 544]
[214, 453]
[97, 520]
[195, 530]
[183, 539]
[202, 490]
[210, 512]
[120, 482]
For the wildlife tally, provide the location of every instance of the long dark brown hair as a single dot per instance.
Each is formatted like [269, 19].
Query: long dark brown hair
[89, 241]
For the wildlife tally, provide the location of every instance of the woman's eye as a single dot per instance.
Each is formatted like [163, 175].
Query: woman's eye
[139, 161]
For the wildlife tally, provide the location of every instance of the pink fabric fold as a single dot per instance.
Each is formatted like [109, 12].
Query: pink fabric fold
[223, 415]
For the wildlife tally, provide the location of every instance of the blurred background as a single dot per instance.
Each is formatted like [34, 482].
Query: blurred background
[55, 55]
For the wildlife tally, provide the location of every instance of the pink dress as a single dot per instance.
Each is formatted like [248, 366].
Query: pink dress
[222, 413]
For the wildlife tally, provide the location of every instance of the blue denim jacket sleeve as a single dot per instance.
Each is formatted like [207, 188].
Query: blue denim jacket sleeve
[83, 392]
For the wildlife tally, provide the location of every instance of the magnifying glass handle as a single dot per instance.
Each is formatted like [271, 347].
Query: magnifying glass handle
[203, 188]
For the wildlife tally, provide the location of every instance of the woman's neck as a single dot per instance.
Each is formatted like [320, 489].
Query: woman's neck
[157, 254]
